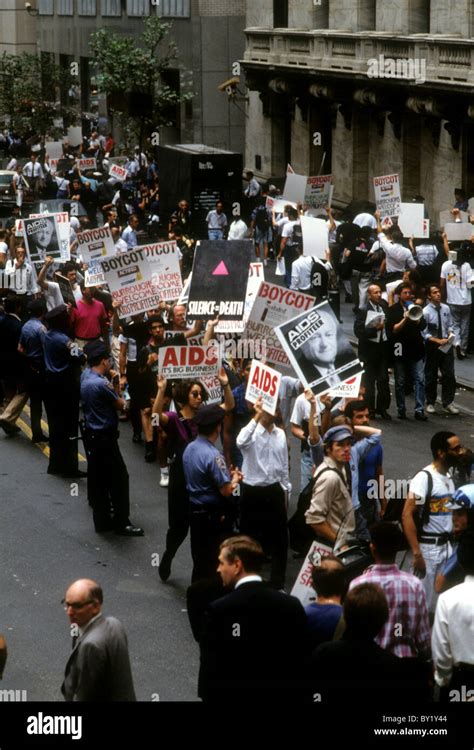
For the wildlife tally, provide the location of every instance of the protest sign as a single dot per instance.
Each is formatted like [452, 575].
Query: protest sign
[411, 220]
[184, 296]
[183, 362]
[213, 387]
[63, 229]
[289, 169]
[279, 204]
[85, 164]
[275, 305]
[315, 236]
[447, 217]
[95, 244]
[256, 276]
[263, 383]
[459, 231]
[387, 194]
[15, 282]
[42, 238]
[349, 389]
[65, 288]
[302, 588]
[318, 349]
[74, 136]
[219, 280]
[54, 150]
[129, 277]
[94, 275]
[295, 187]
[119, 160]
[118, 172]
[318, 191]
[163, 258]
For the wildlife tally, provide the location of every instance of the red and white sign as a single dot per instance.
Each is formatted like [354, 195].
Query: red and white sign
[302, 588]
[118, 172]
[263, 383]
[95, 244]
[87, 163]
[387, 195]
[184, 362]
[318, 191]
[349, 389]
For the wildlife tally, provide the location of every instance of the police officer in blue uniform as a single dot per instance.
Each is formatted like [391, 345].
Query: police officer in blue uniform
[107, 480]
[62, 359]
[209, 484]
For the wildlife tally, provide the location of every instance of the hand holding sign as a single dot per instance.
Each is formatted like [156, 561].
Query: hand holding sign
[223, 378]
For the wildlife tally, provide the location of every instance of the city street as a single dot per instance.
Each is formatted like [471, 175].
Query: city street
[48, 541]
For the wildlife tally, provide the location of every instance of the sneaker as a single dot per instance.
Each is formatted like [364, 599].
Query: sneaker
[265, 262]
[165, 480]
[430, 409]
[451, 409]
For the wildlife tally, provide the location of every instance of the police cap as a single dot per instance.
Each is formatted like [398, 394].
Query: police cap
[337, 434]
[96, 350]
[209, 415]
[56, 312]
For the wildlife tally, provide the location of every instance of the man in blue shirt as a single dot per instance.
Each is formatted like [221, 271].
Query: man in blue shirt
[107, 478]
[31, 345]
[208, 482]
[439, 339]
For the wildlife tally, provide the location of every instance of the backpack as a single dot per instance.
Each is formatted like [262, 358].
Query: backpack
[394, 509]
[295, 240]
[262, 221]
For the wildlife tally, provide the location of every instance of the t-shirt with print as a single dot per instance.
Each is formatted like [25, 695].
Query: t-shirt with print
[440, 520]
[457, 279]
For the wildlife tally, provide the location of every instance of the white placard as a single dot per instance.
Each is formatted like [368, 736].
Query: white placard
[447, 217]
[163, 257]
[387, 194]
[302, 588]
[54, 149]
[94, 275]
[118, 172]
[129, 277]
[279, 204]
[412, 222]
[295, 187]
[74, 136]
[459, 231]
[318, 191]
[186, 362]
[349, 389]
[263, 382]
[315, 236]
[96, 244]
[87, 163]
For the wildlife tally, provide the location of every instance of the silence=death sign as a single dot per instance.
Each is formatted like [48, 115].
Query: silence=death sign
[219, 280]
[178, 362]
[263, 383]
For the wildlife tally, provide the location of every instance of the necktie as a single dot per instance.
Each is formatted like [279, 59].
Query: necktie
[439, 333]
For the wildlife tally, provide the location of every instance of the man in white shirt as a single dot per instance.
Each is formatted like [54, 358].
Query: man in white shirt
[19, 183]
[266, 488]
[457, 279]
[238, 230]
[26, 284]
[398, 259]
[33, 172]
[453, 631]
[129, 234]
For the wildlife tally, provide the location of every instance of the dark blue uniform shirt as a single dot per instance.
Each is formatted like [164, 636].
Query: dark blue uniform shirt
[57, 352]
[32, 337]
[98, 401]
[205, 471]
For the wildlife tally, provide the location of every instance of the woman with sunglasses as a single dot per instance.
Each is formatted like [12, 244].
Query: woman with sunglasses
[181, 430]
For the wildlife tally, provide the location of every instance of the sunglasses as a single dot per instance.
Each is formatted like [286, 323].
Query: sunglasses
[196, 394]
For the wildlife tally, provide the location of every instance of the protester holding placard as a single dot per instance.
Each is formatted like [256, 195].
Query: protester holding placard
[266, 488]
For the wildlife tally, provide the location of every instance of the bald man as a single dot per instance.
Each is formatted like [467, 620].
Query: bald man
[98, 668]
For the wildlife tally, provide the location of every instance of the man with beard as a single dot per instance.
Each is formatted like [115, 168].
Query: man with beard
[432, 489]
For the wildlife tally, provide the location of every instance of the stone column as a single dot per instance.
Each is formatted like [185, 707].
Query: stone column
[451, 18]
[352, 15]
[342, 166]
[404, 16]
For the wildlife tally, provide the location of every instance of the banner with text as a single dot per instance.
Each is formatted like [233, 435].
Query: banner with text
[264, 383]
[96, 244]
[387, 195]
[186, 362]
[129, 277]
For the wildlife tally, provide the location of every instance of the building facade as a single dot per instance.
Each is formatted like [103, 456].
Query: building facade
[210, 38]
[17, 28]
[363, 89]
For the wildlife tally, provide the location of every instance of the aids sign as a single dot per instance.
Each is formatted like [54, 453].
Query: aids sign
[263, 383]
[219, 280]
[183, 362]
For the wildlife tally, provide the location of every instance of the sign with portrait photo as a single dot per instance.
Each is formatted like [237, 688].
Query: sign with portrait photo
[42, 238]
[318, 349]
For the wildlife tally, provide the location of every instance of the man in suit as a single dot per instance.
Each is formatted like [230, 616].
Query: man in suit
[12, 366]
[373, 351]
[98, 668]
[254, 640]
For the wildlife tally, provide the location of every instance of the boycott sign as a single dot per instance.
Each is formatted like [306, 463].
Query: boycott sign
[318, 191]
[302, 588]
[219, 280]
[96, 244]
[118, 172]
[87, 163]
[129, 277]
[163, 258]
[265, 383]
[16, 281]
[182, 362]
[256, 276]
[387, 195]
[318, 349]
[273, 306]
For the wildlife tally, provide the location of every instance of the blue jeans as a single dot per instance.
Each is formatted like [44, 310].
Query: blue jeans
[417, 370]
[306, 469]
[215, 234]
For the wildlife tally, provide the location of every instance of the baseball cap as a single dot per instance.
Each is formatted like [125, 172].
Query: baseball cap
[337, 434]
[209, 415]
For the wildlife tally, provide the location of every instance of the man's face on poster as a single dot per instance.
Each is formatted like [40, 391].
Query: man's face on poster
[43, 237]
[321, 349]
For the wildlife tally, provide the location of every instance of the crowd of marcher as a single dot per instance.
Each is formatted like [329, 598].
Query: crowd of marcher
[90, 369]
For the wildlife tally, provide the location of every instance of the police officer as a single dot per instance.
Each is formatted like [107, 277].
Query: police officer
[108, 482]
[208, 482]
[62, 359]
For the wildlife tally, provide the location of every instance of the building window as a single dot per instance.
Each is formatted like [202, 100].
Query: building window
[65, 8]
[86, 7]
[45, 7]
[138, 8]
[111, 7]
[174, 8]
[280, 14]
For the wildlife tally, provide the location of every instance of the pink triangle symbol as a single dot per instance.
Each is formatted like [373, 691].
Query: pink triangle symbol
[221, 270]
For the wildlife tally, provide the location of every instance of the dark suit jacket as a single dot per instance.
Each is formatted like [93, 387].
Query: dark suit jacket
[98, 668]
[368, 337]
[254, 645]
[11, 361]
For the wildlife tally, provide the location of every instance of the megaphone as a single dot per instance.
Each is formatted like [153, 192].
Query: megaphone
[415, 312]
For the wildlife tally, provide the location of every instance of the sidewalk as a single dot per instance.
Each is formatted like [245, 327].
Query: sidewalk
[464, 368]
